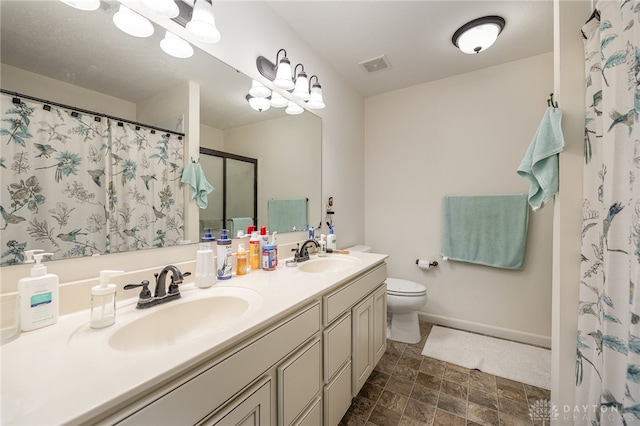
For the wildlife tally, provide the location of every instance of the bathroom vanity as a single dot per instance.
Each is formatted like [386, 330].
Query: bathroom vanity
[287, 347]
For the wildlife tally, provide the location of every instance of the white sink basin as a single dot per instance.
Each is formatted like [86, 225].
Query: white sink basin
[328, 264]
[179, 321]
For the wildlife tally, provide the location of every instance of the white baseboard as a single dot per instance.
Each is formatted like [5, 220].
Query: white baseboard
[500, 332]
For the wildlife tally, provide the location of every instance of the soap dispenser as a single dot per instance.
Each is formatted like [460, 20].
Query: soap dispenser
[103, 301]
[38, 294]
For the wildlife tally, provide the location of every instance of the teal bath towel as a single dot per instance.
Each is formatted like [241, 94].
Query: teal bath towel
[286, 215]
[540, 164]
[199, 188]
[485, 229]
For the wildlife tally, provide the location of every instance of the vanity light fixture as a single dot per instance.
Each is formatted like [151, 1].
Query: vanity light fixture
[301, 88]
[173, 45]
[259, 103]
[132, 23]
[479, 34]
[315, 99]
[164, 8]
[202, 25]
[83, 4]
[259, 90]
[293, 108]
[278, 101]
[280, 74]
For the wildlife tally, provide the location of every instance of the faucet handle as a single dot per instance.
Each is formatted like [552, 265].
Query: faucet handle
[145, 293]
[173, 286]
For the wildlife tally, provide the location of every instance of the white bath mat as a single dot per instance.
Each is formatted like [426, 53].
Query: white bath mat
[515, 361]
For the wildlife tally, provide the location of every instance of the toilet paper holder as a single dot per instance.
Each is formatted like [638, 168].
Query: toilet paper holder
[425, 264]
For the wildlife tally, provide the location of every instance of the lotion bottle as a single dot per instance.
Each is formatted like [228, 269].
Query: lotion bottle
[242, 260]
[103, 301]
[38, 296]
[331, 239]
[224, 256]
[205, 262]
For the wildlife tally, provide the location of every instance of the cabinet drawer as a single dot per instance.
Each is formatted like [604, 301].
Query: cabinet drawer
[341, 300]
[337, 396]
[191, 401]
[337, 346]
[298, 382]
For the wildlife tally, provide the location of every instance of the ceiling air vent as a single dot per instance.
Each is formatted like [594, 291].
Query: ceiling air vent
[376, 64]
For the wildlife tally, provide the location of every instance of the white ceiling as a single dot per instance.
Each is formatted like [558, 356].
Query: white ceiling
[414, 35]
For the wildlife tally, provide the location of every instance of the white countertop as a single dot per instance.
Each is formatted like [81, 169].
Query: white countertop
[68, 373]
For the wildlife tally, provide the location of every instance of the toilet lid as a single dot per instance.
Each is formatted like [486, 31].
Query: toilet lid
[398, 287]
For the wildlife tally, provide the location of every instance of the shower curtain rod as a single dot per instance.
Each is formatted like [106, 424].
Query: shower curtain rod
[84, 111]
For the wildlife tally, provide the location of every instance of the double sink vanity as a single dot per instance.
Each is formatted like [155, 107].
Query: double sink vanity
[286, 347]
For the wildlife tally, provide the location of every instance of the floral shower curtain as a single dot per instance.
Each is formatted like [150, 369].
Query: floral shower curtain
[76, 184]
[608, 346]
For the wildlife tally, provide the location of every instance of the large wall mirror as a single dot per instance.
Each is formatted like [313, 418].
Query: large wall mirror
[53, 52]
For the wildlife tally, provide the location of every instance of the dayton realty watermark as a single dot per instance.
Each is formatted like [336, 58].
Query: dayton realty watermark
[544, 412]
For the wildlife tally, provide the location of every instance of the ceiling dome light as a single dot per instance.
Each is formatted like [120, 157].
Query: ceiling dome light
[294, 109]
[83, 4]
[259, 104]
[258, 90]
[278, 101]
[479, 34]
[132, 23]
[203, 24]
[175, 46]
[165, 8]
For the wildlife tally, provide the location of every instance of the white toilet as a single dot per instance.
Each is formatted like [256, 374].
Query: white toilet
[404, 299]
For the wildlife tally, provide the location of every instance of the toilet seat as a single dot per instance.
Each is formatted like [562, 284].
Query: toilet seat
[405, 288]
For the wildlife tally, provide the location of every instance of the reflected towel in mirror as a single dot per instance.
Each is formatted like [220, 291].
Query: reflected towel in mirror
[199, 187]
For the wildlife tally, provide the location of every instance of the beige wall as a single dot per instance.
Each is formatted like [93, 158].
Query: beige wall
[461, 135]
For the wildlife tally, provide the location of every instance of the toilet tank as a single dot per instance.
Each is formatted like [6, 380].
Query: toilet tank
[359, 248]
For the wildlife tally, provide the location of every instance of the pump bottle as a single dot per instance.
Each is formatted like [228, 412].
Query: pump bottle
[38, 294]
[103, 301]
[331, 240]
[205, 262]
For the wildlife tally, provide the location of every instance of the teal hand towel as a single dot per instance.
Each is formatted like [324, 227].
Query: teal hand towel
[199, 188]
[485, 229]
[238, 224]
[286, 215]
[540, 163]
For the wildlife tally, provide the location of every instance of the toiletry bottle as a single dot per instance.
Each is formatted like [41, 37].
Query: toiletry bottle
[38, 296]
[205, 262]
[254, 251]
[264, 237]
[331, 240]
[269, 257]
[224, 256]
[322, 251]
[103, 301]
[274, 241]
[242, 260]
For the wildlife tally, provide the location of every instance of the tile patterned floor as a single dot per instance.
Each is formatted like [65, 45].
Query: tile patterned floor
[407, 388]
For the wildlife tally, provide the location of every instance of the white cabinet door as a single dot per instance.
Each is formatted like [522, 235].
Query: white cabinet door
[299, 382]
[362, 345]
[369, 335]
[379, 323]
[252, 408]
[337, 396]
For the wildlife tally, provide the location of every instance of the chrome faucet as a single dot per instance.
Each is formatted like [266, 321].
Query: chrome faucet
[302, 253]
[161, 295]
